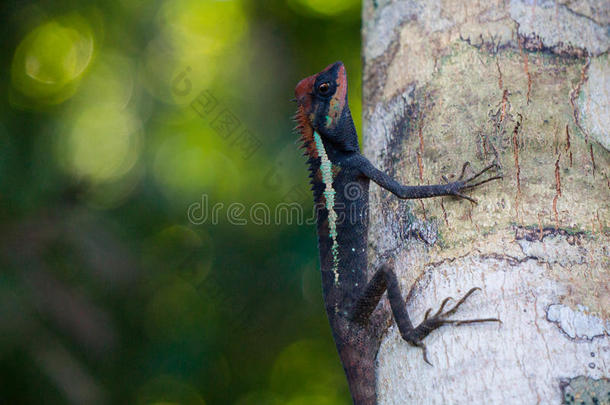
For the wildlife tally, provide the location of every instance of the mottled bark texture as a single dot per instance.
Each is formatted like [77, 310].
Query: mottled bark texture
[526, 83]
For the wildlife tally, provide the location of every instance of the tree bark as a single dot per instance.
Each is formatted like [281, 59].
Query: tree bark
[524, 83]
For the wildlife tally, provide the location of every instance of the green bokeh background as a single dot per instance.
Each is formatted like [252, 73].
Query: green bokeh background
[108, 292]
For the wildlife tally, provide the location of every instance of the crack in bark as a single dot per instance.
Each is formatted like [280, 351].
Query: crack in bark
[574, 93]
[599, 222]
[470, 217]
[532, 234]
[528, 43]
[511, 260]
[420, 153]
[557, 191]
[476, 253]
[520, 41]
[504, 101]
[577, 14]
[423, 207]
[517, 167]
[445, 213]
[568, 149]
[500, 84]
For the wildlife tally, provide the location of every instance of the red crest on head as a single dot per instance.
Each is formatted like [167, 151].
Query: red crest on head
[303, 93]
[304, 88]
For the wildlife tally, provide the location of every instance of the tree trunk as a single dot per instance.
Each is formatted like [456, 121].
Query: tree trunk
[524, 83]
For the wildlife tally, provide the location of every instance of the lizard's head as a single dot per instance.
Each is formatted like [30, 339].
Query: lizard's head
[322, 107]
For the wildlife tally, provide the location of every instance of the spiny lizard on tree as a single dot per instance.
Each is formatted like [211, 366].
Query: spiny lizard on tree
[340, 181]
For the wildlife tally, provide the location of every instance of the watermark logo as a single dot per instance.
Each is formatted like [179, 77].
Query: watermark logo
[227, 125]
[285, 213]
[219, 117]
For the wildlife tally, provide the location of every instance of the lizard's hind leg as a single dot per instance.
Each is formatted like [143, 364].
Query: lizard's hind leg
[385, 279]
[416, 335]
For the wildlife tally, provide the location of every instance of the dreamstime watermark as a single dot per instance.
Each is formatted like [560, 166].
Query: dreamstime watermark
[229, 127]
[236, 213]
[220, 117]
[284, 213]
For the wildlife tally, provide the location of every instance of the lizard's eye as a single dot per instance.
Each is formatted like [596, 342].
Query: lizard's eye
[324, 88]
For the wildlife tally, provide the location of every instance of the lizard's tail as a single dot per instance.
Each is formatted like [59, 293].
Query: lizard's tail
[359, 365]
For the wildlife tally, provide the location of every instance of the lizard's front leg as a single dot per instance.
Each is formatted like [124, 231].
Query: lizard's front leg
[385, 278]
[456, 188]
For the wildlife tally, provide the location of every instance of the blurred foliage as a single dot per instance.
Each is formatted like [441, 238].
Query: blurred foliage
[108, 292]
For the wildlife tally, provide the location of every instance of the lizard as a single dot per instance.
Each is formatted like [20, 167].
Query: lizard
[329, 138]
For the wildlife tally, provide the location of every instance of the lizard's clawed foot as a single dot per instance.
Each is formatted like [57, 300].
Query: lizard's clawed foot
[430, 323]
[464, 183]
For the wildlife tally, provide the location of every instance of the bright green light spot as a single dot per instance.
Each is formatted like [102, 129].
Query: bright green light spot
[325, 7]
[103, 145]
[50, 60]
[192, 44]
[191, 163]
[203, 26]
[304, 369]
[109, 81]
